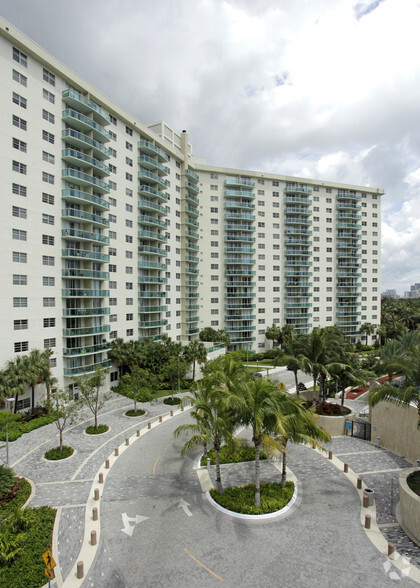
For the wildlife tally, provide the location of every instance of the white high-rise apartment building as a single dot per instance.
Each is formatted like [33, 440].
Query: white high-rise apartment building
[111, 228]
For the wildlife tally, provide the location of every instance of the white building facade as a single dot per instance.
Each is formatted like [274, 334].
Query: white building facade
[111, 228]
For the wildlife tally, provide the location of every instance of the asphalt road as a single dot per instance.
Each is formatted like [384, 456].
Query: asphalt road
[182, 541]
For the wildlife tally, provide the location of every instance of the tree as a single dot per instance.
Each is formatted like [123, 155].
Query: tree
[65, 412]
[210, 334]
[140, 384]
[367, 329]
[392, 359]
[272, 333]
[90, 387]
[174, 371]
[195, 351]
[12, 379]
[34, 373]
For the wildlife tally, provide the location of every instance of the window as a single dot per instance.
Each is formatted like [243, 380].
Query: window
[112, 267]
[48, 77]
[19, 257]
[19, 167]
[47, 198]
[128, 269]
[129, 285]
[20, 324]
[49, 322]
[113, 318]
[128, 146]
[48, 281]
[19, 100]
[48, 116]
[19, 235]
[21, 346]
[49, 137]
[48, 157]
[48, 178]
[129, 131]
[112, 136]
[48, 260]
[48, 96]
[20, 57]
[47, 219]
[20, 280]
[19, 122]
[112, 168]
[20, 78]
[112, 185]
[19, 302]
[128, 223]
[129, 301]
[19, 190]
[48, 302]
[19, 145]
[18, 212]
[112, 302]
[112, 285]
[113, 334]
[112, 201]
[112, 218]
[49, 343]
[47, 240]
[214, 187]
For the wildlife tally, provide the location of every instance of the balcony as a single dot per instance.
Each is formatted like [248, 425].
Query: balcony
[349, 225]
[74, 157]
[245, 250]
[192, 187]
[348, 215]
[87, 350]
[239, 329]
[193, 331]
[191, 270]
[192, 211]
[239, 194]
[239, 260]
[233, 306]
[84, 236]
[239, 182]
[152, 280]
[239, 204]
[79, 102]
[85, 331]
[85, 217]
[76, 312]
[84, 273]
[153, 235]
[191, 234]
[151, 294]
[244, 238]
[191, 246]
[297, 231]
[148, 220]
[152, 265]
[151, 149]
[151, 178]
[347, 196]
[72, 195]
[299, 315]
[192, 223]
[297, 252]
[192, 258]
[240, 284]
[86, 369]
[297, 273]
[152, 165]
[348, 206]
[152, 324]
[239, 227]
[239, 272]
[85, 124]
[82, 179]
[193, 319]
[83, 142]
[192, 199]
[151, 250]
[293, 189]
[293, 210]
[192, 307]
[293, 200]
[298, 305]
[84, 293]
[241, 316]
[83, 254]
[146, 190]
[192, 175]
[297, 262]
[297, 221]
[239, 215]
[152, 309]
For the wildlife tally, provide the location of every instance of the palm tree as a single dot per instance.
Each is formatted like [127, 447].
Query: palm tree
[392, 358]
[195, 351]
[367, 329]
[272, 333]
[13, 379]
[35, 371]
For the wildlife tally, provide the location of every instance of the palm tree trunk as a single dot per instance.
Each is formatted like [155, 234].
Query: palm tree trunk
[33, 397]
[343, 393]
[283, 469]
[16, 401]
[193, 370]
[61, 440]
[257, 473]
[296, 383]
[48, 399]
[314, 393]
[218, 473]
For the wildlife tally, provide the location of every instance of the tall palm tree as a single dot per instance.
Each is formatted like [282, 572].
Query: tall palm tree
[272, 333]
[195, 351]
[12, 381]
[392, 358]
[367, 329]
[34, 371]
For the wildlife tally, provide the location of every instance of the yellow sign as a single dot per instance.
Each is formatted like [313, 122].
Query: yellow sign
[49, 560]
[50, 574]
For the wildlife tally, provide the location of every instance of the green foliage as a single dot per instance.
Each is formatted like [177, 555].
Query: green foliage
[55, 454]
[92, 430]
[172, 401]
[6, 479]
[328, 408]
[413, 481]
[135, 413]
[18, 429]
[15, 499]
[241, 499]
[235, 454]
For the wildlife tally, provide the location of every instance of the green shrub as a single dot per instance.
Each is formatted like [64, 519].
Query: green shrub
[135, 413]
[328, 408]
[20, 428]
[242, 452]
[96, 431]
[301, 387]
[172, 401]
[55, 454]
[6, 479]
[16, 498]
[413, 480]
[242, 498]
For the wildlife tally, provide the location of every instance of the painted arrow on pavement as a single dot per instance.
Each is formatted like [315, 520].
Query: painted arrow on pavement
[184, 505]
[129, 529]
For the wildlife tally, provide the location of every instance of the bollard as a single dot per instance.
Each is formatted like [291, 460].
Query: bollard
[365, 501]
[160, 418]
[94, 513]
[182, 407]
[116, 452]
[107, 464]
[172, 413]
[418, 463]
[101, 478]
[346, 468]
[149, 425]
[359, 483]
[93, 537]
[329, 454]
[369, 493]
[313, 445]
[80, 572]
[96, 494]
[138, 432]
[367, 522]
[391, 549]
[127, 441]
[378, 442]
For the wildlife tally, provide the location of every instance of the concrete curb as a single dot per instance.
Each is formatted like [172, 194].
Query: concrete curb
[374, 532]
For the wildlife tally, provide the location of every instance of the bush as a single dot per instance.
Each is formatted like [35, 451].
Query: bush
[328, 408]
[172, 401]
[35, 413]
[6, 480]
[242, 452]
[135, 413]
[96, 431]
[413, 481]
[55, 454]
[241, 499]
[302, 387]
[258, 356]
[20, 428]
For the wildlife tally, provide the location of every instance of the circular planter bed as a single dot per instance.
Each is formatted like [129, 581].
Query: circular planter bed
[172, 401]
[98, 431]
[410, 503]
[56, 455]
[330, 419]
[242, 453]
[241, 499]
[135, 413]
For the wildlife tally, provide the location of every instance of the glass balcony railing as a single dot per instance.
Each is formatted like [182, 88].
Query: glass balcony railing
[151, 250]
[294, 189]
[87, 350]
[151, 294]
[192, 187]
[150, 178]
[82, 141]
[238, 204]
[152, 324]
[76, 312]
[152, 280]
[229, 181]
[149, 205]
[152, 265]
[152, 309]
[151, 149]
[77, 177]
[84, 331]
[192, 175]
[147, 162]
[82, 216]
[146, 190]
[85, 235]
[83, 104]
[192, 199]
[73, 195]
[85, 369]
[152, 235]
[146, 219]
[84, 273]
[84, 293]
[82, 254]
[80, 159]
[85, 124]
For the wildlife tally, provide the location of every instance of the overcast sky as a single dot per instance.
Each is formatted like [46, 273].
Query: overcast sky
[316, 88]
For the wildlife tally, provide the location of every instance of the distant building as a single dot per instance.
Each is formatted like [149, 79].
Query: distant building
[390, 294]
[414, 291]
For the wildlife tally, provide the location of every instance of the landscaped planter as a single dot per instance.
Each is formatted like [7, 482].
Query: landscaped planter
[409, 507]
[334, 425]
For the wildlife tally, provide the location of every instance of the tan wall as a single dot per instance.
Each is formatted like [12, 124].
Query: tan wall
[409, 508]
[397, 428]
[334, 425]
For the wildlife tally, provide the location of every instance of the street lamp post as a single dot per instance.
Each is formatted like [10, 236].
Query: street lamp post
[179, 388]
[8, 406]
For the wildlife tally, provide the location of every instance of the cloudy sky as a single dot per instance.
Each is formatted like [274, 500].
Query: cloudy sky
[316, 88]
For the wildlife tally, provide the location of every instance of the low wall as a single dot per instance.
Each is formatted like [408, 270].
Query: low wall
[409, 507]
[334, 425]
[397, 428]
